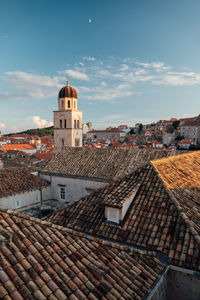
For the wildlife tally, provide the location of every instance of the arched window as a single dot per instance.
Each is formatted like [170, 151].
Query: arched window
[65, 123]
[68, 103]
[60, 123]
[62, 104]
[78, 124]
[74, 123]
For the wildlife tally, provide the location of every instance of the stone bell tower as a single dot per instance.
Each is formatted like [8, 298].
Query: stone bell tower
[67, 120]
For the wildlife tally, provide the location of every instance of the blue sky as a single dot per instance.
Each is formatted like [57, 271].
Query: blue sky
[130, 61]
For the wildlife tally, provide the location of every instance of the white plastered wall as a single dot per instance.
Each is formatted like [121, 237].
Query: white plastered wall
[74, 188]
[26, 199]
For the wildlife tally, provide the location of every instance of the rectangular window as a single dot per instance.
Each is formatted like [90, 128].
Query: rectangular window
[18, 203]
[77, 142]
[62, 193]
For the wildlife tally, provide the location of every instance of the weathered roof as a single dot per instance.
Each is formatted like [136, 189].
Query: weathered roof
[158, 219]
[192, 123]
[102, 163]
[181, 175]
[17, 180]
[45, 261]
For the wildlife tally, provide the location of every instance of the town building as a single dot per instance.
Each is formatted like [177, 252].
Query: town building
[20, 190]
[155, 208]
[67, 120]
[27, 148]
[111, 133]
[191, 130]
[75, 172]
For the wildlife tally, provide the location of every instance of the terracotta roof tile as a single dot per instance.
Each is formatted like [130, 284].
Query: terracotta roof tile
[101, 163]
[47, 261]
[17, 180]
[158, 219]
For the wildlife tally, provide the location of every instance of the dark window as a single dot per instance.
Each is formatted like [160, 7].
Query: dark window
[65, 123]
[78, 124]
[63, 142]
[77, 142]
[60, 123]
[68, 103]
[62, 193]
[74, 123]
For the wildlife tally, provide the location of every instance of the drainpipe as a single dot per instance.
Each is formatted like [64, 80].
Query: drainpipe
[40, 189]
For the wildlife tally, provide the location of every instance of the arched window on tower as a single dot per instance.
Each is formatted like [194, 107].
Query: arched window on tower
[60, 123]
[65, 123]
[78, 124]
[74, 123]
[68, 103]
[62, 104]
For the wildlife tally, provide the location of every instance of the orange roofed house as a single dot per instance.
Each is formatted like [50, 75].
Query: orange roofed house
[22, 147]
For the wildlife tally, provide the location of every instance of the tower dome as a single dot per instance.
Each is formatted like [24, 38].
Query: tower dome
[67, 91]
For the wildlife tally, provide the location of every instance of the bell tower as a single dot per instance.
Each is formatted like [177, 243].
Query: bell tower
[67, 120]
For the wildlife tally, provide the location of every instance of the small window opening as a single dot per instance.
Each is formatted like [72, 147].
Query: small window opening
[78, 124]
[65, 123]
[68, 103]
[60, 123]
[62, 193]
[74, 123]
[77, 142]
[63, 142]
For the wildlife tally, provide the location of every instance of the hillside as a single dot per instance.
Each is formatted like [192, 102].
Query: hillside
[39, 131]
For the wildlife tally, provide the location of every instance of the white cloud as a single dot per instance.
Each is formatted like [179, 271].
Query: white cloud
[2, 126]
[89, 58]
[76, 74]
[103, 80]
[157, 66]
[41, 123]
[20, 78]
[124, 67]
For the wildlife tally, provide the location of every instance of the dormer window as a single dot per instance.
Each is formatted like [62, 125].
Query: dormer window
[116, 207]
[113, 214]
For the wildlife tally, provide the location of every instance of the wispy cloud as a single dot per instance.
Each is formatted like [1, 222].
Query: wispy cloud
[89, 58]
[75, 74]
[41, 123]
[25, 86]
[102, 80]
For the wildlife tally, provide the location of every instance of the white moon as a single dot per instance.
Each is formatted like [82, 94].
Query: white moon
[90, 20]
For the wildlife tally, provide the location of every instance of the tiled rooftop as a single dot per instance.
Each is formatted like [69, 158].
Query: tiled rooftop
[102, 163]
[181, 175]
[17, 180]
[160, 219]
[46, 261]
[17, 147]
